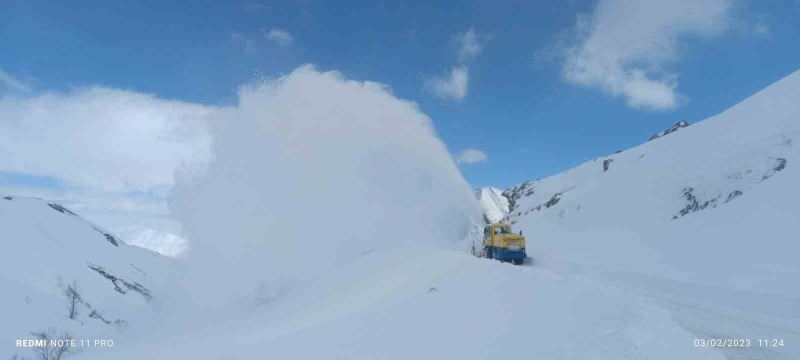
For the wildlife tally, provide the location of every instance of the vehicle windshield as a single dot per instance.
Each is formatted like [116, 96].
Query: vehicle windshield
[502, 230]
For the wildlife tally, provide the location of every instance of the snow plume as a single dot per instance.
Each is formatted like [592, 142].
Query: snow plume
[313, 171]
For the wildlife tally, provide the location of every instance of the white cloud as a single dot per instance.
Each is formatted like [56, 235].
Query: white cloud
[12, 83]
[453, 86]
[626, 46]
[280, 37]
[111, 152]
[472, 156]
[103, 139]
[109, 209]
[316, 170]
[470, 45]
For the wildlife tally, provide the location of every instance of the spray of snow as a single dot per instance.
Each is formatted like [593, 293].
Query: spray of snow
[310, 171]
[493, 204]
[164, 243]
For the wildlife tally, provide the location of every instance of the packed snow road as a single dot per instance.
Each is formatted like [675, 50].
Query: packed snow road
[424, 303]
[762, 326]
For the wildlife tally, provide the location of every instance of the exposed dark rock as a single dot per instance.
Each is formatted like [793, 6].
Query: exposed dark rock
[696, 205]
[108, 236]
[139, 270]
[553, 200]
[121, 324]
[9, 198]
[780, 164]
[678, 125]
[733, 195]
[61, 209]
[607, 164]
[122, 286]
[517, 192]
[96, 315]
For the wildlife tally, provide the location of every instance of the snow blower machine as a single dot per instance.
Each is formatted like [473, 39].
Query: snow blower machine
[500, 243]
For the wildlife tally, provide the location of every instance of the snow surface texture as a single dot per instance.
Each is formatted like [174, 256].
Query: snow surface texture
[46, 247]
[706, 217]
[422, 303]
[493, 204]
[161, 242]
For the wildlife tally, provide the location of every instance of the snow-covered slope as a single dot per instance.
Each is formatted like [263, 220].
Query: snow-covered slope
[714, 202]
[422, 303]
[46, 247]
[493, 203]
[708, 214]
[161, 242]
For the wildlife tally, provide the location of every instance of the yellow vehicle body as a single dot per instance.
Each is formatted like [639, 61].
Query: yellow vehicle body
[501, 243]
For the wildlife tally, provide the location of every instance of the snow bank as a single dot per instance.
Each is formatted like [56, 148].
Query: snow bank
[314, 170]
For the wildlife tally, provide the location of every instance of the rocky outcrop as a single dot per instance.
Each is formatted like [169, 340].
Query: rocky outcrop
[678, 125]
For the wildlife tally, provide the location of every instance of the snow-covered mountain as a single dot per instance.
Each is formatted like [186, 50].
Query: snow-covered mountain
[710, 190]
[164, 243]
[493, 203]
[46, 250]
[707, 216]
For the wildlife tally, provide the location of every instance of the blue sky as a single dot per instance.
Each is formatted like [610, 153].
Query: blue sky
[521, 106]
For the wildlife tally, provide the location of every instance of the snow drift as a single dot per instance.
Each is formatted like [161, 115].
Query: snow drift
[313, 170]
